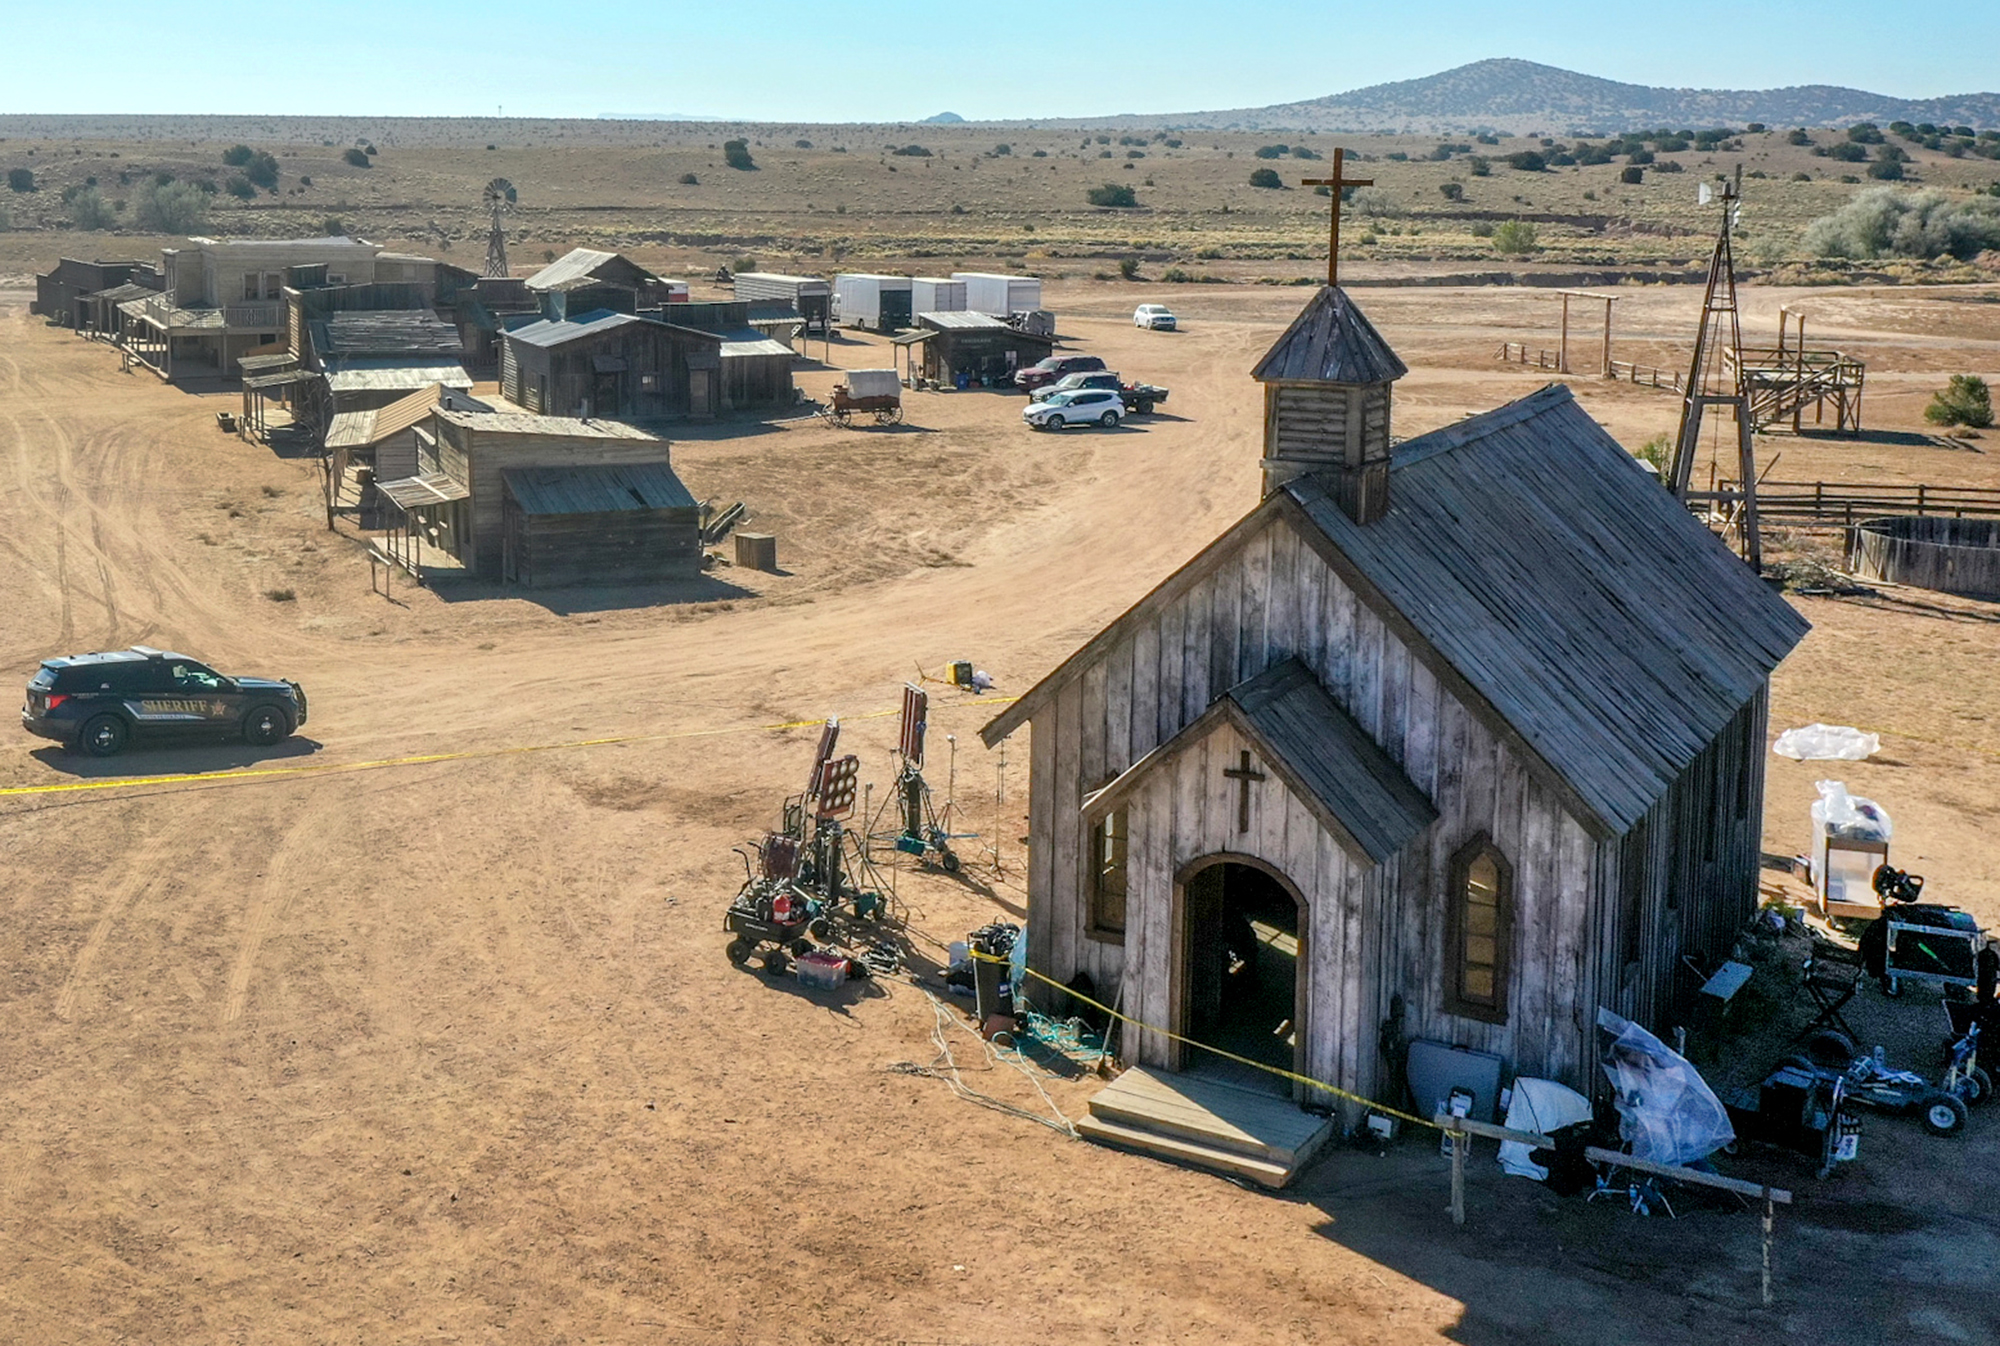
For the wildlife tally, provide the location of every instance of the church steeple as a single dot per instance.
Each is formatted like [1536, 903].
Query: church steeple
[1326, 390]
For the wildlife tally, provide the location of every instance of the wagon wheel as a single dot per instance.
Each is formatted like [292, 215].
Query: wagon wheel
[889, 415]
[842, 416]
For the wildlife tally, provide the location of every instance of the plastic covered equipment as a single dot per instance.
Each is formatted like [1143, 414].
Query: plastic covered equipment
[1666, 1111]
[1850, 842]
[1543, 1107]
[1826, 742]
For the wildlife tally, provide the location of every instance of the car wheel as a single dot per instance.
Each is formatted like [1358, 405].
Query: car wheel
[1145, 408]
[104, 736]
[1977, 1088]
[1054, 423]
[776, 963]
[1108, 419]
[1833, 1048]
[265, 725]
[1943, 1115]
[738, 951]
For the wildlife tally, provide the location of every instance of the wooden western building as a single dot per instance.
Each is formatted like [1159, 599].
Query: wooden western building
[62, 293]
[476, 450]
[982, 350]
[641, 367]
[1457, 740]
[607, 524]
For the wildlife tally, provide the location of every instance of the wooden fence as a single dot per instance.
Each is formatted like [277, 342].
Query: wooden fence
[1645, 376]
[1821, 504]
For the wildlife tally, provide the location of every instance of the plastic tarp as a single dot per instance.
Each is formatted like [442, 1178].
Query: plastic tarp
[1544, 1107]
[874, 383]
[1826, 743]
[1840, 814]
[1666, 1111]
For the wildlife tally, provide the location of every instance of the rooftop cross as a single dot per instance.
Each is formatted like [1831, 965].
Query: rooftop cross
[1335, 185]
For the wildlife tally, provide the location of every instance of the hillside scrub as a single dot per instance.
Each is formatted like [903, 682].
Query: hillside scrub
[1966, 401]
[1112, 194]
[1891, 222]
[171, 207]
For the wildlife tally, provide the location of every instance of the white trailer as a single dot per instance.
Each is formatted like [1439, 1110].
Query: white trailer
[1000, 296]
[932, 294]
[881, 303]
[811, 297]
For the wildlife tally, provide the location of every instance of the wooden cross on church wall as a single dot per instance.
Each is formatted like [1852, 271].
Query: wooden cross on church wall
[1336, 184]
[1244, 775]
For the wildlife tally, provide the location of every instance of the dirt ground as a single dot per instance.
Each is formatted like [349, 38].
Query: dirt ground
[404, 1053]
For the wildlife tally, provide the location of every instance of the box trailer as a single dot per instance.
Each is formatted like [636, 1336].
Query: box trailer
[811, 297]
[880, 303]
[1001, 296]
[931, 294]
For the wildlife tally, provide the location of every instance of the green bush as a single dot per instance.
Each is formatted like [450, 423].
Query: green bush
[1657, 453]
[1964, 401]
[1112, 194]
[1515, 238]
[1452, 191]
[240, 187]
[356, 158]
[1632, 175]
[333, 227]
[911, 152]
[689, 180]
[1865, 133]
[89, 210]
[1798, 137]
[171, 207]
[1887, 170]
[21, 179]
[1266, 177]
[237, 155]
[1527, 161]
[736, 153]
[1893, 222]
[1273, 151]
[1003, 149]
[1128, 268]
[1478, 166]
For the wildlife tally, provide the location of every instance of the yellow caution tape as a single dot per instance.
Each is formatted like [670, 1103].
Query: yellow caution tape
[425, 759]
[1296, 1078]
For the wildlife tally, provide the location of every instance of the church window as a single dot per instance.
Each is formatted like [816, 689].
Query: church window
[1479, 931]
[1107, 876]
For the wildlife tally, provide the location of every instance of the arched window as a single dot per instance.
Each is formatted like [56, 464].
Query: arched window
[1479, 931]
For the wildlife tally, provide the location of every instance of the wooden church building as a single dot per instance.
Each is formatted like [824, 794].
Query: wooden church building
[1454, 739]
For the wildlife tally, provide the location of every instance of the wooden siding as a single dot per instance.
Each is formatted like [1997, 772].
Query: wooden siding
[1377, 930]
[624, 547]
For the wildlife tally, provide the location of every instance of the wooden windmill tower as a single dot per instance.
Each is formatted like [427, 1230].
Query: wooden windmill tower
[499, 199]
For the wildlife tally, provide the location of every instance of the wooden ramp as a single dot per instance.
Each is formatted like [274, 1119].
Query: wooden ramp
[1259, 1136]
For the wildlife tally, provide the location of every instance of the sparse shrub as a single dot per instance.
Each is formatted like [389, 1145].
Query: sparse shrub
[305, 180]
[1128, 268]
[1515, 238]
[1641, 157]
[1482, 228]
[736, 153]
[1115, 194]
[911, 152]
[1891, 222]
[281, 595]
[689, 180]
[1273, 151]
[802, 144]
[1632, 175]
[88, 210]
[171, 207]
[1266, 177]
[1798, 137]
[1886, 170]
[1668, 166]
[1003, 149]
[240, 187]
[1527, 161]
[1657, 453]
[1302, 152]
[20, 179]
[1039, 154]
[1372, 201]
[1452, 191]
[1755, 129]
[1478, 166]
[1966, 401]
[1865, 133]
[333, 227]
[742, 264]
[356, 158]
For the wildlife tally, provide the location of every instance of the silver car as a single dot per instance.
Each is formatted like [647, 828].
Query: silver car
[1085, 406]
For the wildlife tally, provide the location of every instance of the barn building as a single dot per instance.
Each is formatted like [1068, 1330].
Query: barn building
[61, 292]
[638, 367]
[607, 524]
[1455, 740]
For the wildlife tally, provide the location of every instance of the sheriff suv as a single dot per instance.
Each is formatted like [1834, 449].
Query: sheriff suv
[99, 703]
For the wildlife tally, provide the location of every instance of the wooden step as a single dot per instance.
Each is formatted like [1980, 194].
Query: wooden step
[1162, 1146]
[1211, 1114]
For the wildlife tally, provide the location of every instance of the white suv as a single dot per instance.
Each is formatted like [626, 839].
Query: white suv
[1154, 317]
[1085, 406]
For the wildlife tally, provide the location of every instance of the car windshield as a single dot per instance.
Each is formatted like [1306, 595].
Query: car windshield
[1062, 399]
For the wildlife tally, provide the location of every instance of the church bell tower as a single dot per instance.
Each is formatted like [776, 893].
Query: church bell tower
[1326, 389]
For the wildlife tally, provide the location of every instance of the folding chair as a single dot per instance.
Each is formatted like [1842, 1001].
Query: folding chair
[1830, 986]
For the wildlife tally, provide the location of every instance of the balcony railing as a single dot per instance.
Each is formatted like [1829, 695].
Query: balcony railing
[266, 316]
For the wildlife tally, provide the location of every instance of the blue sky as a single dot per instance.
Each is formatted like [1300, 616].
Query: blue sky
[781, 60]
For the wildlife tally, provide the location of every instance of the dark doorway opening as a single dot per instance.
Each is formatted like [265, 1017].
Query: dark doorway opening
[1244, 937]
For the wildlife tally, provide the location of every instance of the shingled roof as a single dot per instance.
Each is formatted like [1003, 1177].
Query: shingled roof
[1576, 603]
[1330, 342]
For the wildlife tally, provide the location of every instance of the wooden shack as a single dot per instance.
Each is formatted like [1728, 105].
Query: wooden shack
[585, 280]
[609, 524]
[59, 291]
[982, 349]
[1457, 741]
[475, 448]
[600, 364]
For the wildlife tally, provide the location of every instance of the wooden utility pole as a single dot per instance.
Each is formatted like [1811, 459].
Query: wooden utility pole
[1335, 185]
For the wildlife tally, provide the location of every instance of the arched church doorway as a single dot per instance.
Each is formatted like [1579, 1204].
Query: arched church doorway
[1242, 937]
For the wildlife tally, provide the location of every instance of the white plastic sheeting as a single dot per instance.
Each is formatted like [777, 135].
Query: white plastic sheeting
[1827, 743]
[1544, 1107]
[1666, 1111]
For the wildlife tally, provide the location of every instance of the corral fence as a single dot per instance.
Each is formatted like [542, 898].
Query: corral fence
[1623, 371]
[1821, 504]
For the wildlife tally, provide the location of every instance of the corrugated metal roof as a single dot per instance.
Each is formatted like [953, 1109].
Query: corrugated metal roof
[576, 264]
[603, 489]
[428, 488]
[959, 320]
[508, 422]
[1330, 342]
[556, 332]
[747, 342]
[384, 332]
[118, 293]
[363, 375]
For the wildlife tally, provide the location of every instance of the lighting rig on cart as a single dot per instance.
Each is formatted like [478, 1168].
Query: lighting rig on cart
[923, 829]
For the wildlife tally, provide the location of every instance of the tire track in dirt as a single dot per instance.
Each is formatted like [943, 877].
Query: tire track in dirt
[303, 848]
[141, 872]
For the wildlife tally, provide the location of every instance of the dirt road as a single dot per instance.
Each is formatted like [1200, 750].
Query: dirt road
[450, 1052]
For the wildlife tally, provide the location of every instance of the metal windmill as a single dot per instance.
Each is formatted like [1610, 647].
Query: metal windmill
[499, 200]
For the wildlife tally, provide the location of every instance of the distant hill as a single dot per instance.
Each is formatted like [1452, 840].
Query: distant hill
[943, 119]
[1521, 96]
